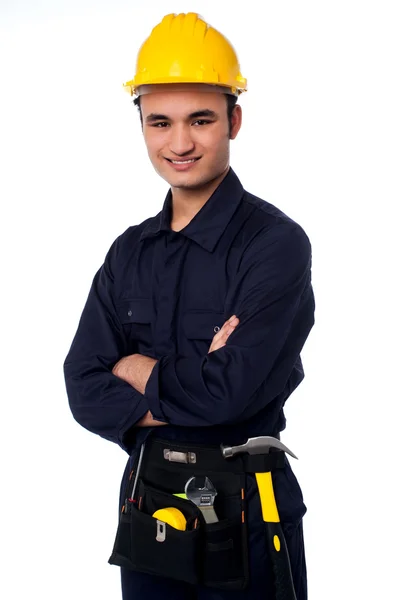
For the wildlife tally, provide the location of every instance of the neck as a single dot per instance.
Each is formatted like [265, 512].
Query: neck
[186, 203]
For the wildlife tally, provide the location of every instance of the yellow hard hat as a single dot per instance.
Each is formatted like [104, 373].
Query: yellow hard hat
[185, 49]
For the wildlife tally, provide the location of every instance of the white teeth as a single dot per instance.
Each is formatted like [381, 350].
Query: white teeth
[183, 162]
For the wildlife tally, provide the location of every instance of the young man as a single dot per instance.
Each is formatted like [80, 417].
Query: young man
[191, 338]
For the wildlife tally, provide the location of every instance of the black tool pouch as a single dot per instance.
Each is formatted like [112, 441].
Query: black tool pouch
[215, 555]
[225, 555]
[143, 543]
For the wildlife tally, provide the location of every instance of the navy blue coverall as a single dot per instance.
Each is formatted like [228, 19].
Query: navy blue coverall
[164, 294]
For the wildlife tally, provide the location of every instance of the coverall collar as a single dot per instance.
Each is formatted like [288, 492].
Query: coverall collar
[210, 222]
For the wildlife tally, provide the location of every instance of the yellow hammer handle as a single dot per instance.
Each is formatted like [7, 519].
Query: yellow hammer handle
[267, 499]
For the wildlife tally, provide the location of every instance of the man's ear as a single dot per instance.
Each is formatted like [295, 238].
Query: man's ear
[236, 121]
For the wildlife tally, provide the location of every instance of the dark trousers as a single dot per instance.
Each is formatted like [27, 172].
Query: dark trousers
[139, 586]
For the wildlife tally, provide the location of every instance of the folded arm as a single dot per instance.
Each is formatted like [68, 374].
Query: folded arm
[105, 391]
[137, 368]
[101, 402]
[273, 298]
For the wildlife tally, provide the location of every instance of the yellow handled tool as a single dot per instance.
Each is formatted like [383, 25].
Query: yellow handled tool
[172, 516]
[274, 534]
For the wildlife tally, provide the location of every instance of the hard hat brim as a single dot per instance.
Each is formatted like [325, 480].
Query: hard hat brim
[154, 88]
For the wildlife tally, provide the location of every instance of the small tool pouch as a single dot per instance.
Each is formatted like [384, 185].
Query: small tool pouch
[144, 543]
[215, 555]
[225, 551]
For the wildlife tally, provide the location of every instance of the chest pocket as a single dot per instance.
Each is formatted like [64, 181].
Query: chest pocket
[136, 317]
[202, 325]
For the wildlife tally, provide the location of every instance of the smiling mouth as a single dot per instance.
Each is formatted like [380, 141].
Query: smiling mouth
[183, 162]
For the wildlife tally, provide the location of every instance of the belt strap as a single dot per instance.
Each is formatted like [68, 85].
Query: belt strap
[167, 454]
[262, 463]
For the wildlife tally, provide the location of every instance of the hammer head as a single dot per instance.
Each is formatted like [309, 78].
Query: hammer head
[256, 445]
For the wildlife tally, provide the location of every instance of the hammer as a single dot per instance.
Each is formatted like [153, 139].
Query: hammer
[276, 544]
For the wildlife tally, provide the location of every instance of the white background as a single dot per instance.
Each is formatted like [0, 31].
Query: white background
[320, 141]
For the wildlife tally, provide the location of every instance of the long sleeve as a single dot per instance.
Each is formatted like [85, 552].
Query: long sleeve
[272, 295]
[100, 401]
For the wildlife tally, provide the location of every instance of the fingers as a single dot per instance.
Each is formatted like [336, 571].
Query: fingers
[233, 322]
[229, 326]
[220, 338]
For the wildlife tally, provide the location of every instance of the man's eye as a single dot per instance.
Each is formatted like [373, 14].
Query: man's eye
[160, 124]
[201, 122]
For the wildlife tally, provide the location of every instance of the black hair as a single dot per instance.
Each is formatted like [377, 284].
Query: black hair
[230, 100]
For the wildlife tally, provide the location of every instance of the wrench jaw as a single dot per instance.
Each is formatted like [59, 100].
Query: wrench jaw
[202, 493]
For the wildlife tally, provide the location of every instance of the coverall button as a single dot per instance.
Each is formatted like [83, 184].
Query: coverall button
[216, 328]
[129, 313]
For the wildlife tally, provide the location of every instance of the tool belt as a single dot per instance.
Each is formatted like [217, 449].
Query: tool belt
[212, 554]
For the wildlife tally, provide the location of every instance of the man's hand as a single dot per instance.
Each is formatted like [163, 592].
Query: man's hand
[220, 338]
[148, 421]
[135, 370]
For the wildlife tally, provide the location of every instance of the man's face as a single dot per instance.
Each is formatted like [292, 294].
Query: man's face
[187, 135]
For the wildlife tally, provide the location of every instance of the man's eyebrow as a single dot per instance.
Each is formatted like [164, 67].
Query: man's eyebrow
[205, 112]
[156, 117]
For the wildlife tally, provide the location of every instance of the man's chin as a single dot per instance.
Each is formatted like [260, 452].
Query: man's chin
[189, 181]
[188, 185]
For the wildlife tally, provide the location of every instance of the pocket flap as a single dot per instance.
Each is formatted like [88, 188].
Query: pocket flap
[136, 310]
[202, 325]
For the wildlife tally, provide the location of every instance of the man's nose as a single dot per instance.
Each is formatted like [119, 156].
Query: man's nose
[181, 142]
